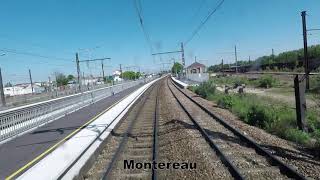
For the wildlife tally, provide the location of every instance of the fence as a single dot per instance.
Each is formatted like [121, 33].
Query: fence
[19, 100]
[18, 120]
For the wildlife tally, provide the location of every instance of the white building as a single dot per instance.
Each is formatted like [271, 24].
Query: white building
[89, 81]
[21, 89]
[116, 76]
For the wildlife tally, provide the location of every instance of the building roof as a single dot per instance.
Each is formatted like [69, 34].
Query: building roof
[195, 65]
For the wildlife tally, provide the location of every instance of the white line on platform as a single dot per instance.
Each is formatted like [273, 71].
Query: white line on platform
[180, 82]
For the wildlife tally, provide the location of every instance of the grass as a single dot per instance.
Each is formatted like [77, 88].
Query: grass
[265, 81]
[273, 116]
[315, 84]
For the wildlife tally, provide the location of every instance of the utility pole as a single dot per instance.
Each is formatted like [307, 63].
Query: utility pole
[182, 55]
[272, 52]
[31, 81]
[195, 59]
[172, 52]
[87, 61]
[3, 99]
[120, 69]
[78, 71]
[222, 70]
[305, 47]
[236, 57]
[102, 70]
[249, 59]
[50, 87]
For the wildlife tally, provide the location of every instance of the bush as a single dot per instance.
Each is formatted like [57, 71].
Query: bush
[285, 118]
[205, 89]
[315, 83]
[297, 136]
[226, 101]
[274, 117]
[259, 115]
[313, 121]
[192, 88]
[267, 81]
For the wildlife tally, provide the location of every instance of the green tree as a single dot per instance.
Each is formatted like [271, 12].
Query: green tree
[62, 80]
[138, 75]
[70, 77]
[177, 68]
[130, 75]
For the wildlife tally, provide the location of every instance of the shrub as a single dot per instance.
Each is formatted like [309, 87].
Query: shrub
[205, 89]
[285, 118]
[226, 101]
[259, 115]
[297, 136]
[267, 81]
[192, 88]
[313, 121]
[315, 83]
[241, 108]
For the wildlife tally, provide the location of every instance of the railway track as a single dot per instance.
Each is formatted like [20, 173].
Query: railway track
[137, 140]
[243, 157]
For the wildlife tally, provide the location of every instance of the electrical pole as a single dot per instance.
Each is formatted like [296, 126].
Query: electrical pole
[31, 81]
[305, 47]
[50, 88]
[195, 59]
[236, 57]
[222, 67]
[182, 55]
[249, 59]
[3, 99]
[120, 69]
[78, 71]
[102, 70]
[272, 52]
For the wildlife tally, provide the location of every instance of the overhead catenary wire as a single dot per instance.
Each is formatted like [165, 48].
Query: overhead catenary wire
[202, 3]
[138, 8]
[195, 32]
[14, 51]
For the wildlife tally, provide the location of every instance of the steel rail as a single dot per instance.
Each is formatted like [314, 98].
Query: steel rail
[155, 136]
[97, 138]
[284, 168]
[225, 160]
[126, 135]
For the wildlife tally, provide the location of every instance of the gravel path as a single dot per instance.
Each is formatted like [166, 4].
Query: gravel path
[288, 152]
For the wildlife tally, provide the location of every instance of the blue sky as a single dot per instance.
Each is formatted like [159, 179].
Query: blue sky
[59, 28]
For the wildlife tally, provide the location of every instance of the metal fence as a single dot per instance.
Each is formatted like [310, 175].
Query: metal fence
[21, 119]
[20, 100]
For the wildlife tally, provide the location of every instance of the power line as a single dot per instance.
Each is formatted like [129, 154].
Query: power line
[32, 54]
[138, 7]
[199, 8]
[32, 44]
[204, 22]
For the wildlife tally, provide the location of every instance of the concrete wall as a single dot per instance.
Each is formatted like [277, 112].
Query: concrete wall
[201, 77]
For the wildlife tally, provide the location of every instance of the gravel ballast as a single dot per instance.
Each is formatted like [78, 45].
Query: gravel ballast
[289, 152]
